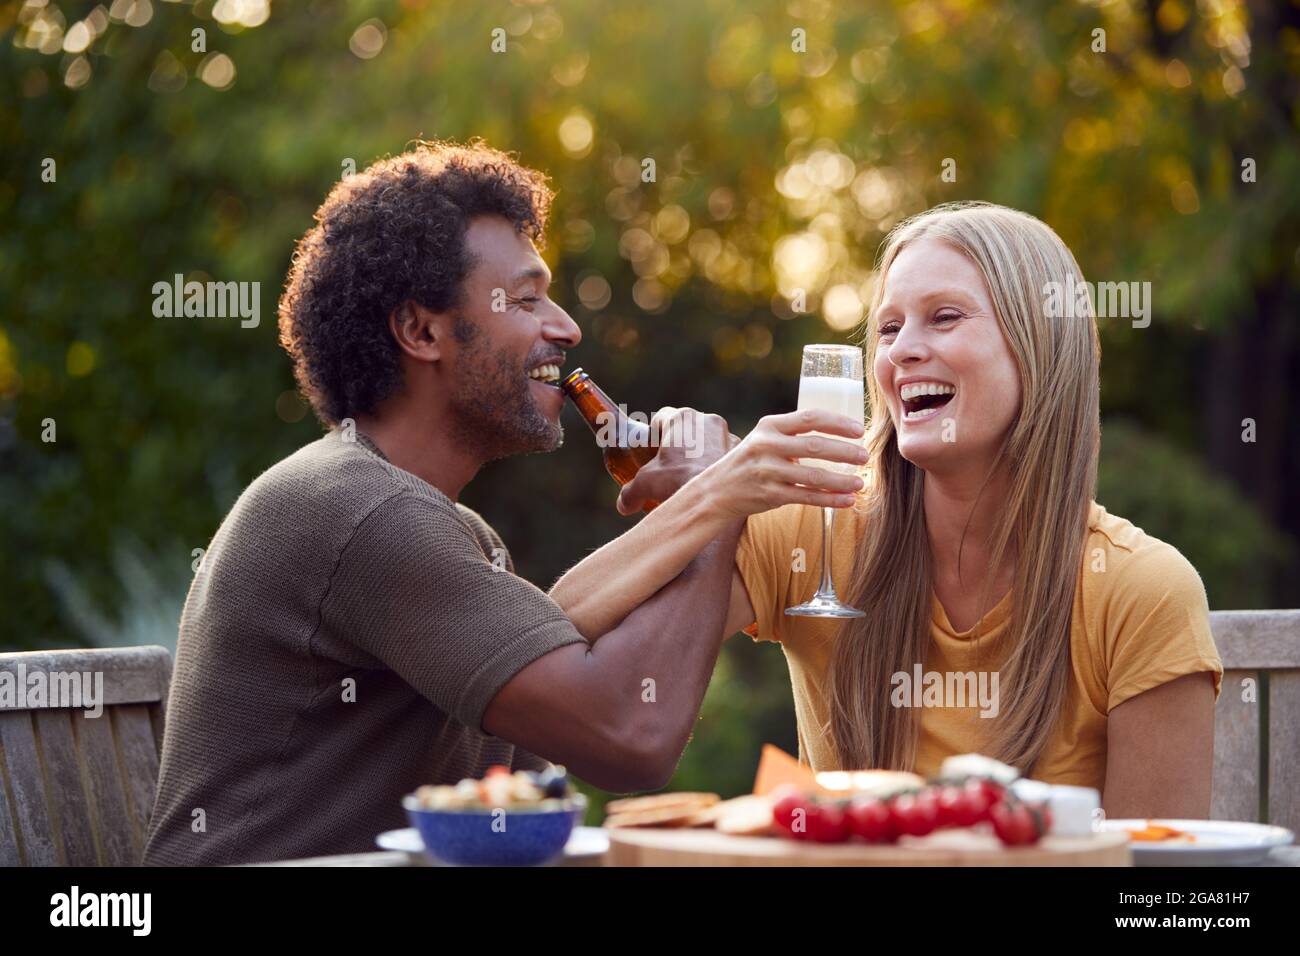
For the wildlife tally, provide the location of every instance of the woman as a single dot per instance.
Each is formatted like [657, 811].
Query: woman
[975, 548]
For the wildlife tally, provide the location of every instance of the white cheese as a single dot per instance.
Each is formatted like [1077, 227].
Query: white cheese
[977, 765]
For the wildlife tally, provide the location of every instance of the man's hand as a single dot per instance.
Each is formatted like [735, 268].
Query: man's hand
[689, 441]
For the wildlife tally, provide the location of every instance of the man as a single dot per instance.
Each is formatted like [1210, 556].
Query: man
[353, 632]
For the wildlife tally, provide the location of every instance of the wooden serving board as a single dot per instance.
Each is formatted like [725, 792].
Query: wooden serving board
[683, 847]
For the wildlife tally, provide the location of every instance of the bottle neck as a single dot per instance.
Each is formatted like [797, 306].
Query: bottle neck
[606, 420]
[592, 404]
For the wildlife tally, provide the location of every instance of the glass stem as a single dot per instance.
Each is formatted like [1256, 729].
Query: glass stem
[827, 589]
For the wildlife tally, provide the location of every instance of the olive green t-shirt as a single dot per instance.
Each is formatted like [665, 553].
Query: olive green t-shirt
[347, 628]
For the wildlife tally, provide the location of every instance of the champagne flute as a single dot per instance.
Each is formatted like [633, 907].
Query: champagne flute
[831, 379]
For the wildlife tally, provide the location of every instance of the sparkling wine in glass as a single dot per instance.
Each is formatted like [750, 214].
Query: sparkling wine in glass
[831, 379]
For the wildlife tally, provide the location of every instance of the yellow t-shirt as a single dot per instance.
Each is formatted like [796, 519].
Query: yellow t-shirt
[1141, 622]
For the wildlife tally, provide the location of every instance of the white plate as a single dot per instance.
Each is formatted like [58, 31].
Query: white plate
[585, 843]
[1218, 842]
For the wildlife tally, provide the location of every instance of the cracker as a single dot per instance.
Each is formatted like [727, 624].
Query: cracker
[661, 801]
[665, 817]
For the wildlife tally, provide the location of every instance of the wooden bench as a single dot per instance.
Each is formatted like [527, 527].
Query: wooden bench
[78, 790]
[1257, 742]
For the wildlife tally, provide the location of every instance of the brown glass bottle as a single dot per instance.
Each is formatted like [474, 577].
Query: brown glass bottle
[625, 443]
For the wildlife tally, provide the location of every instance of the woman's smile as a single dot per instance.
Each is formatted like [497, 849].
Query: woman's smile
[922, 399]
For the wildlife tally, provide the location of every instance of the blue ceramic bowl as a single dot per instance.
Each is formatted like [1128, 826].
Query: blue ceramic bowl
[501, 837]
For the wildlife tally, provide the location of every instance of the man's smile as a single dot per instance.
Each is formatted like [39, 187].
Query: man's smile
[547, 373]
[544, 382]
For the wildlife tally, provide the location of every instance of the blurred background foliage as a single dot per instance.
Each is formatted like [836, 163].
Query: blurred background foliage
[787, 136]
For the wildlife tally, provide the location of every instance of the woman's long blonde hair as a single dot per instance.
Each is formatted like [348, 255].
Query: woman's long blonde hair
[1050, 452]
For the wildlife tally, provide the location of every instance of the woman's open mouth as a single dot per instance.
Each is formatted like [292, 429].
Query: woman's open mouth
[922, 400]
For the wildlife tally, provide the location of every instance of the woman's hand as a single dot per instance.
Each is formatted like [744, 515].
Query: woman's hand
[762, 472]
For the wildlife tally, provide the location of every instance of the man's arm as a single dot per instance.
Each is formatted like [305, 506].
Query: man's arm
[606, 585]
[619, 712]
[720, 486]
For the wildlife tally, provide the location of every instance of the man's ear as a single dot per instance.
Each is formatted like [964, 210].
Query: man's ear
[419, 333]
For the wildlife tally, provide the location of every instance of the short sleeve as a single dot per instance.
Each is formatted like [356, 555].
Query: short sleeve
[414, 588]
[489, 541]
[763, 559]
[1156, 624]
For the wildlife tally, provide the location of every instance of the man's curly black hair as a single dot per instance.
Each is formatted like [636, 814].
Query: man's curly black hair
[391, 234]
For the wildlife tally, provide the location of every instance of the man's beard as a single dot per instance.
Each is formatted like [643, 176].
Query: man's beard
[493, 410]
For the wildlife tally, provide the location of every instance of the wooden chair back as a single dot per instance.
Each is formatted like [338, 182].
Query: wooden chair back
[77, 790]
[1257, 721]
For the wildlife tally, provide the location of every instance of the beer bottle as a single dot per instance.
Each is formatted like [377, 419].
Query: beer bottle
[625, 443]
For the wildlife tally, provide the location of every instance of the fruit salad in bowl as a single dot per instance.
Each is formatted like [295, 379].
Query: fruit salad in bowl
[522, 818]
